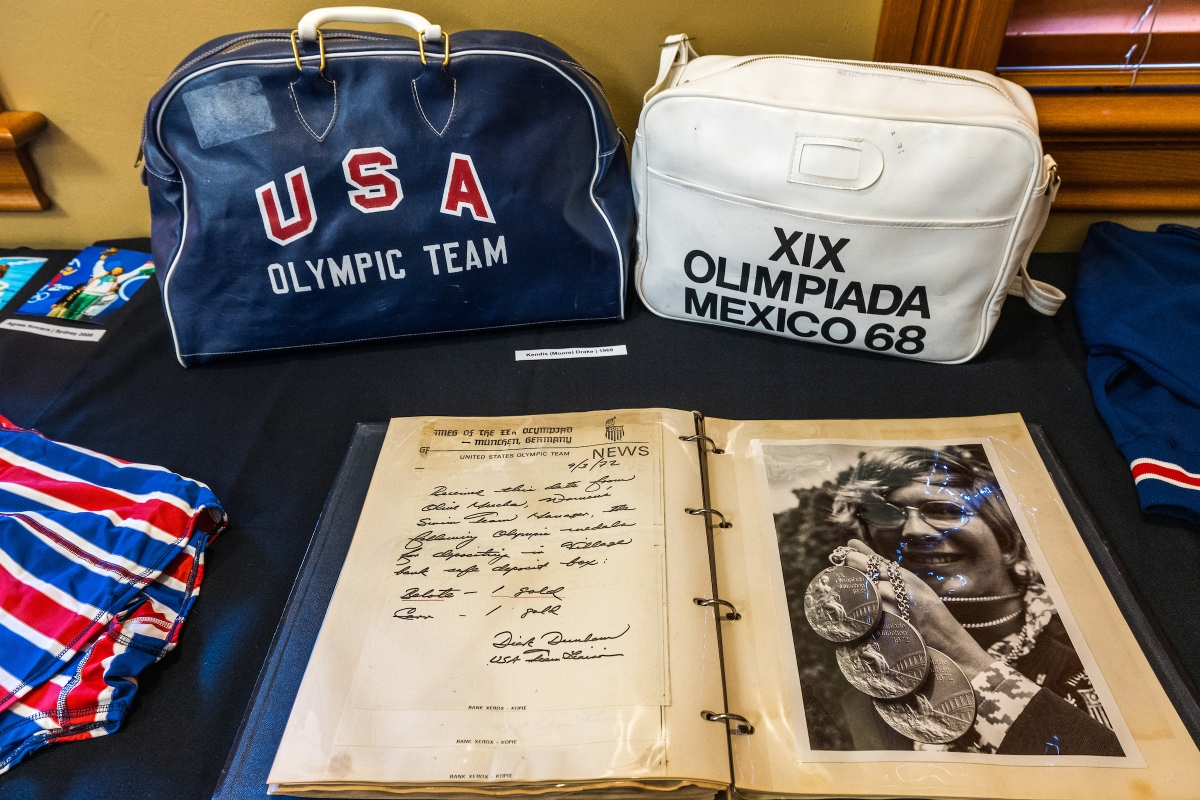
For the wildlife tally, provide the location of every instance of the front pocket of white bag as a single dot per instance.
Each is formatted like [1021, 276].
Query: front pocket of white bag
[913, 288]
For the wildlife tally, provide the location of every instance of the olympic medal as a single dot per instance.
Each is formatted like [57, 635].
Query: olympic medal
[841, 604]
[889, 663]
[941, 709]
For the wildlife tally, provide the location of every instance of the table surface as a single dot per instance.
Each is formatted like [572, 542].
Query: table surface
[267, 435]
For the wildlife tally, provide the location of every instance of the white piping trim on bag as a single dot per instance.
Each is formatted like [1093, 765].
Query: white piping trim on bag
[386, 53]
[836, 219]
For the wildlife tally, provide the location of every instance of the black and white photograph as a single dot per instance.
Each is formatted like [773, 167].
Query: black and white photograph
[920, 617]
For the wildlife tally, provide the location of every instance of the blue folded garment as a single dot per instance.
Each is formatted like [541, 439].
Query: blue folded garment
[1138, 303]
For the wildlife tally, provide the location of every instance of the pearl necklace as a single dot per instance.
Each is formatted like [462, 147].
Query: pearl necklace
[995, 622]
[953, 599]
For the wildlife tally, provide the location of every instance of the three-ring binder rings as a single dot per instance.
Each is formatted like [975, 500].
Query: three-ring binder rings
[566, 604]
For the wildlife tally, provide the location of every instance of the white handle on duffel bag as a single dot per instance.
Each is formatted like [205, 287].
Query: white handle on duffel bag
[676, 53]
[1041, 296]
[320, 16]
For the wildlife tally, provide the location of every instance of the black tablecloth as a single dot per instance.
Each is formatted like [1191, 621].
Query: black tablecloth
[267, 434]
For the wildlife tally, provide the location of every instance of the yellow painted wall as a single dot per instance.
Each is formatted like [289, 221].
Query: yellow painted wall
[91, 67]
[1065, 230]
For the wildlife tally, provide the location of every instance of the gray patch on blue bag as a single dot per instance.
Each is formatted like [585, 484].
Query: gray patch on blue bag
[228, 111]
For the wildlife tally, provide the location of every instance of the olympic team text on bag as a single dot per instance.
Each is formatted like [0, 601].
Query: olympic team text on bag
[799, 294]
[350, 270]
[368, 170]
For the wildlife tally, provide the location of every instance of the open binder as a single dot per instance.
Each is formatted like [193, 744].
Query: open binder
[734, 727]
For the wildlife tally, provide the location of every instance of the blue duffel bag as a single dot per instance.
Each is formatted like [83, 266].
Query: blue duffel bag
[314, 188]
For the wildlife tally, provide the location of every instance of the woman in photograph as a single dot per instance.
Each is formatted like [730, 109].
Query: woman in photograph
[974, 595]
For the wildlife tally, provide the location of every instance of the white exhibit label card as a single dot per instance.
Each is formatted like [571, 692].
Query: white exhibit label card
[57, 331]
[572, 352]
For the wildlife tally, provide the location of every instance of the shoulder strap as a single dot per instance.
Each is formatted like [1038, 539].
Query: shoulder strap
[1041, 296]
[676, 53]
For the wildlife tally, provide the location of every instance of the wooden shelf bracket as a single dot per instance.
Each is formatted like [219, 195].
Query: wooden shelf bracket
[20, 188]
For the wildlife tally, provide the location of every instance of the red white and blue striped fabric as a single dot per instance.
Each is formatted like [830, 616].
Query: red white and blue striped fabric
[100, 560]
[1152, 469]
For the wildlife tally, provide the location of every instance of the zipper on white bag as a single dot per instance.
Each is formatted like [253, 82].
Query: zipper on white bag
[867, 66]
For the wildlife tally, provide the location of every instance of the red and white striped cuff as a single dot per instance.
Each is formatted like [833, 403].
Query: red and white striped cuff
[1145, 469]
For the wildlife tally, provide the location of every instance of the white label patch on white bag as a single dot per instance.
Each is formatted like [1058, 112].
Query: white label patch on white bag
[827, 161]
[835, 162]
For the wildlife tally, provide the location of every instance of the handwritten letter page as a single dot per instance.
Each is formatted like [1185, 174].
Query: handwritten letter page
[533, 570]
[516, 627]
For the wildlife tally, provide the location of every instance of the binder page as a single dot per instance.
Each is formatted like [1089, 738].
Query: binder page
[504, 613]
[1008, 671]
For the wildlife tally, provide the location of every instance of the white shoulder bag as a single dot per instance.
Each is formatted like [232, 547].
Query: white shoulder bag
[883, 207]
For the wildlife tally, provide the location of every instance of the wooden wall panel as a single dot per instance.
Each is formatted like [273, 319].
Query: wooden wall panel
[1117, 150]
[1120, 151]
[967, 34]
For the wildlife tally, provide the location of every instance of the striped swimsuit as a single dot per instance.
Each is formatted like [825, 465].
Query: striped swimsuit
[100, 560]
